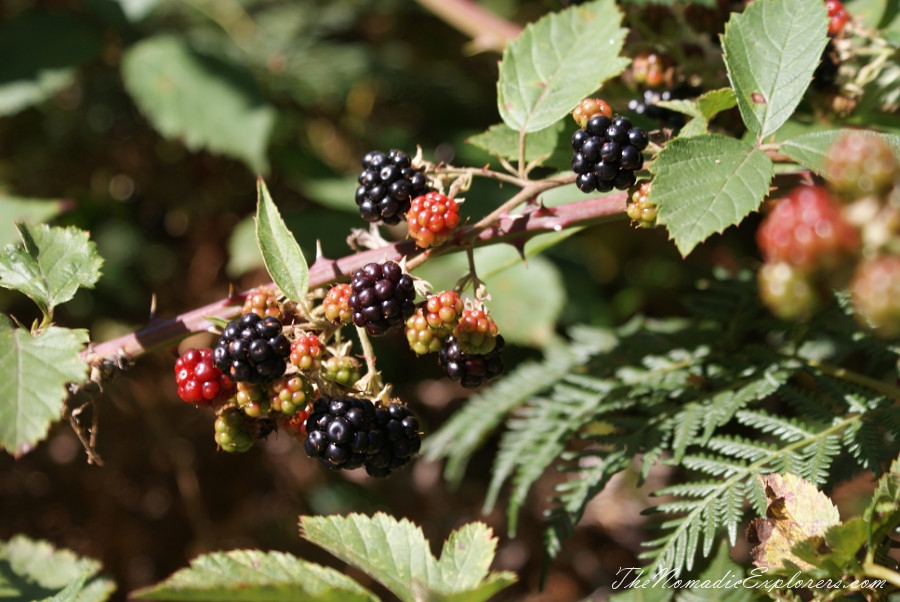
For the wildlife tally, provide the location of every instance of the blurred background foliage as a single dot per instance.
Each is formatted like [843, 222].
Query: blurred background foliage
[146, 122]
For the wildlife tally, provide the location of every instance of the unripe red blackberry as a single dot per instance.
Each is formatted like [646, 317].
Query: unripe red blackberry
[837, 16]
[235, 433]
[264, 303]
[432, 218]
[340, 432]
[199, 381]
[337, 303]
[387, 184]
[788, 291]
[471, 370]
[402, 440]
[296, 423]
[476, 332]
[807, 229]
[289, 393]
[442, 312]
[382, 297]
[252, 400]
[306, 351]
[589, 107]
[422, 339]
[606, 154]
[252, 349]
[860, 163]
[875, 294]
[648, 68]
[342, 369]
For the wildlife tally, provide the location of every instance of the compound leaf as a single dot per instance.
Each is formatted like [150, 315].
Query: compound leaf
[207, 103]
[256, 576]
[771, 51]
[34, 370]
[32, 72]
[397, 555]
[706, 183]
[809, 149]
[556, 62]
[50, 265]
[35, 570]
[282, 255]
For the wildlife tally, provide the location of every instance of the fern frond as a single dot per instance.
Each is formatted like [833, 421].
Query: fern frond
[817, 459]
[738, 447]
[786, 429]
[468, 428]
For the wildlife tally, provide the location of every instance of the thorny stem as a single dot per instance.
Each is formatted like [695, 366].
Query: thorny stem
[160, 333]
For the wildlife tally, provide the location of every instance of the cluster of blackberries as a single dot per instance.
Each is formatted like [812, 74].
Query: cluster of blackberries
[252, 349]
[469, 369]
[350, 432]
[387, 185]
[381, 298]
[607, 153]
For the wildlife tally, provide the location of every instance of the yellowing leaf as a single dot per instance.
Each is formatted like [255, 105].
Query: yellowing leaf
[796, 511]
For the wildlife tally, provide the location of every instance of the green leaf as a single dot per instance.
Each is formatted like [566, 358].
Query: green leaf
[558, 61]
[397, 555]
[34, 371]
[282, 255]
[715, 101]
[35, 570]
[502, 141]
[16, 209]
[207, 103]
[32, 72]
[50, 265]
[706, 183]
[256, 576]
[809, 149]
[883, 513]
[771, 51]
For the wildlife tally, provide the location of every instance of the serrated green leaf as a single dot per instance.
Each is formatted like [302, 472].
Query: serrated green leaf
[502, 141]
[32, 72]
[17, 209]
[771, 51]
[715, 101]
[556, 62]
[201, 100]
[809, 149]
[282, 255]
[35, 570]
[256, 576]
[706, 183]
[883, 513]
[34, 371]
[397, 555]
[50, 265]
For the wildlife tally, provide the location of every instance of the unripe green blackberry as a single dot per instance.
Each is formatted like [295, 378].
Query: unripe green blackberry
[235, 432]
[422, 339]
[344, 370]
[289, 393]
[252, 400]
[860, 163]
[640, 209]
[442, 312]
[788, 291]
[875, 294]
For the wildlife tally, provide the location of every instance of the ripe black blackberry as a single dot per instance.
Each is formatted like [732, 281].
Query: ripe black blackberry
[471, 370]
[402, 440]
[252, 349]
[607, 153]
[381, 297]
[341, 432]
[387, 184]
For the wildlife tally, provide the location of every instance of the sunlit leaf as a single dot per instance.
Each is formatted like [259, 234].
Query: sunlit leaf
[282, 255]
[556, 62]
[33, 211]
[771, 52]
[809, 149]
[502, 141]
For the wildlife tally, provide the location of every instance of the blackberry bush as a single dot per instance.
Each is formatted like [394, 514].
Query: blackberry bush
[252, 349]
[387, 184]
[382, 297]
